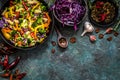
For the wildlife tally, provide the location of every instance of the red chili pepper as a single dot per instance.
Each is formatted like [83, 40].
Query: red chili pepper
[5, 75]
[102, 16]
[24, 5]
[1, 63]
[3, 52]
[5, 49]
[13, 64]
[5, 63]
[99, 4]
[20, 76]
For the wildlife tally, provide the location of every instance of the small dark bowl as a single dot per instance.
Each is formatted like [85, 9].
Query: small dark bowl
[104, 24]
[37, 44]
[83, 3]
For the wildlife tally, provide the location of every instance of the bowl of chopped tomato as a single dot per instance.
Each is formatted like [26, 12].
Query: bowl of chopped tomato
[24, 24]
[103, 13]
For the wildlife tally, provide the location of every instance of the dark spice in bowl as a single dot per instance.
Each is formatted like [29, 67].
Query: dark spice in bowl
[62, 42]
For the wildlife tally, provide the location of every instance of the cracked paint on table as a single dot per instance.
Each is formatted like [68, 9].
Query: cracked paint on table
[82, 60]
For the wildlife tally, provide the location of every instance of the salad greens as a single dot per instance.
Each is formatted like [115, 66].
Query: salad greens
[25, 22]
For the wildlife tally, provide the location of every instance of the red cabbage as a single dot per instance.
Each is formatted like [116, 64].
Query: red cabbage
[70, 12]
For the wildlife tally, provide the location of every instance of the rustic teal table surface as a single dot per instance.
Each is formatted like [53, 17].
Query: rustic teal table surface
[82, 60]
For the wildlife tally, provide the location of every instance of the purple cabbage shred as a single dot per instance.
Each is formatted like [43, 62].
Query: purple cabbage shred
[70, 12]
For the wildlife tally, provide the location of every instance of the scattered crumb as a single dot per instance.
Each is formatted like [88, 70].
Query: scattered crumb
[116, 34]
[109, 39]
[53, 51]
[101, 36]
[97, 30]
[73, 40]
[53, 43]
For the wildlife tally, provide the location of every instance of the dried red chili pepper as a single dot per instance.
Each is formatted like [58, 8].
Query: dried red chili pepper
[13, 64]
[6, 50]
[3, 52]
[20, 76]
[5, 75]
[5, 63]
[102, 16]
[8, 47]
[99, 4]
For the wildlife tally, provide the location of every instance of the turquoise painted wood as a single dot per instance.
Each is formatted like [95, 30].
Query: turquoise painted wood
[80, 61]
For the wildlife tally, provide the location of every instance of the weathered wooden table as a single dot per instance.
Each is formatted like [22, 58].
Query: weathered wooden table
[82, 60]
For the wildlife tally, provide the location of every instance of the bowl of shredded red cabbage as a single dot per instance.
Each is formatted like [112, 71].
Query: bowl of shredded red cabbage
[69, 12]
